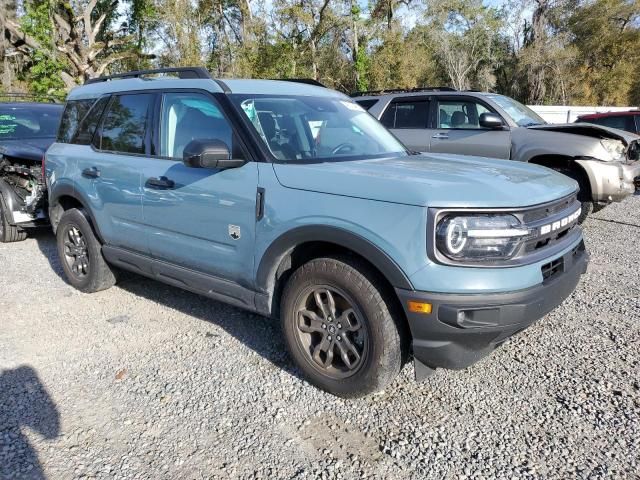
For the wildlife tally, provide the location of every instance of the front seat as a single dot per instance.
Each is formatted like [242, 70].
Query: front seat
[458, 119]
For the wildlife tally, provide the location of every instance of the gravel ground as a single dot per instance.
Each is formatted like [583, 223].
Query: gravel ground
[147, 381]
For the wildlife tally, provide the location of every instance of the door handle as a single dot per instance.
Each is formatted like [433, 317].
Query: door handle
[162, 183]
[441, 136]
[92, 172]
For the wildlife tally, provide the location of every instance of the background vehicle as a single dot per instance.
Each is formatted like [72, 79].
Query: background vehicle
[629, 121]
[604, 161]
[26, 130]
[264, 199]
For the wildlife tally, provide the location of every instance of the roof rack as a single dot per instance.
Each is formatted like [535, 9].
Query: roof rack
[26, 97]
[183, 72]
[307, 81]
[403, 90]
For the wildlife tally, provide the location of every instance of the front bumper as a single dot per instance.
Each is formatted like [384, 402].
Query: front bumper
[461, 329]
[611, 181]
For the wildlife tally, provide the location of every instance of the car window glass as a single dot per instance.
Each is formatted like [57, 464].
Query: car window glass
[367, 104]
[89, 123]
[614, 122]
[637, 117]
[74, 112]
[124, 125]
[388, 118]
[191, 116]
[411, 114]
[460, 114]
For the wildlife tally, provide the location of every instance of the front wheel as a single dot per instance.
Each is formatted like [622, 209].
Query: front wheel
[9, 233]
[338, 327]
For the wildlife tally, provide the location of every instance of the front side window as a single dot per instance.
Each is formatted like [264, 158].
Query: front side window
[125, 123]
[191, 116]
[522, 115]
[316, 128]
[25, 122]
[462, 113]
[406, 114]
[87, 126]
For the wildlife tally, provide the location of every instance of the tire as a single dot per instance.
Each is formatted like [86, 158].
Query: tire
[80, 254]
[359, 325]
[584, 193]
[9, 233]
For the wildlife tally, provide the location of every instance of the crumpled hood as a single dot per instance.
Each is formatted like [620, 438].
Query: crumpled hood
[431, 180]
[31, 149]
[589, 130]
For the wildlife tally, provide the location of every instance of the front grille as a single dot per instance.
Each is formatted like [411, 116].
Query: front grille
[548, 210]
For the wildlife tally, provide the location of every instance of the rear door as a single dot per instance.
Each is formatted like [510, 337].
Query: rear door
[408, 118]
[108, 172]
[456, 128]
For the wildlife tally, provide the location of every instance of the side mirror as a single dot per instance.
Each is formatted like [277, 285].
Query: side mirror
[207, 153]
[491, 120]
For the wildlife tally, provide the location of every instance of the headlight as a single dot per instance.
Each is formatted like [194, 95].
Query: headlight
[480, 237]
[615, 148]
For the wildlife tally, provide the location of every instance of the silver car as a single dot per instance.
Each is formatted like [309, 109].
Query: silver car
[604, 161]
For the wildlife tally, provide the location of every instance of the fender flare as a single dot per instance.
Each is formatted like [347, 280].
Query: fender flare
[284, 244]
[69, 190]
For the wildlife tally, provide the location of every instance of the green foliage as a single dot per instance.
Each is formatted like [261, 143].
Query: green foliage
[44, 74]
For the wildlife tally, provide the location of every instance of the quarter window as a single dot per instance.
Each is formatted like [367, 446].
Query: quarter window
[125, 123]
[191, 116]
[74, 112]
[463, 114]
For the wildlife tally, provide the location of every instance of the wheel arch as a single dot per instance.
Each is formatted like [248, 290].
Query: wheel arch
[64, 197]
[302, 244]
[566, 162]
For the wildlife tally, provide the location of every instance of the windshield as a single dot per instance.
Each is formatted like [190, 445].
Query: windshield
[21, 122]
[317, 128]
[519, 113]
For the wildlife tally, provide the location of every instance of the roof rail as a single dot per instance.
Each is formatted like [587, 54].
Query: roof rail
[307, 81]
[183, 72]
[403, 90]
[26, 97]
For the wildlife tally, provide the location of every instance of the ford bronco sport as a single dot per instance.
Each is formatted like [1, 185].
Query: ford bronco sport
[604, 161]
[289, 200]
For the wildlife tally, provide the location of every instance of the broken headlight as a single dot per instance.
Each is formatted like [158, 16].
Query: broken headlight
[615, 148]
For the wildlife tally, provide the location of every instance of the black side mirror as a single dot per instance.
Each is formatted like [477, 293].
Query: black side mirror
[491, 120]
[209, 153]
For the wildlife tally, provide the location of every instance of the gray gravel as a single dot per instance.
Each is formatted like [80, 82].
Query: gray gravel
[147, 381]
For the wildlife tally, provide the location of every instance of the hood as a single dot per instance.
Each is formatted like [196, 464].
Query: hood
[431, 180]
[589, 130]
[26, 149]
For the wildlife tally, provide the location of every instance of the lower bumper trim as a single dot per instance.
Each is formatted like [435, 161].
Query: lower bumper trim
[462, 329]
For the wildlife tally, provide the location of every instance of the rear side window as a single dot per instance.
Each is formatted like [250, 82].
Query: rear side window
[125, 124]
[366, 104]
[412, 114]
[74, 112]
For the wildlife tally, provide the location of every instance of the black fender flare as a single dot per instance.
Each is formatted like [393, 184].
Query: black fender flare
[68, 190]
[284, 244]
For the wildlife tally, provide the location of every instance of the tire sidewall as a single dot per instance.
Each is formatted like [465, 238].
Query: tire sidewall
[367, 378]
[75, 218]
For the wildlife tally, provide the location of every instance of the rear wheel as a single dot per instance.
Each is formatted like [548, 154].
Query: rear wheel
[339, 328]
[9, 233]
[80, 253]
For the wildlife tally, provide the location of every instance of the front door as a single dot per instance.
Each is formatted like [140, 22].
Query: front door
[201, 219]
[458, 130]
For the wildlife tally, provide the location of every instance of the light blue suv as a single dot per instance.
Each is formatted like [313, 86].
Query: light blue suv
[289, 200]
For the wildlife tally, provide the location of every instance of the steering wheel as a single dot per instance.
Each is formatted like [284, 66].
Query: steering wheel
[348, 147]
